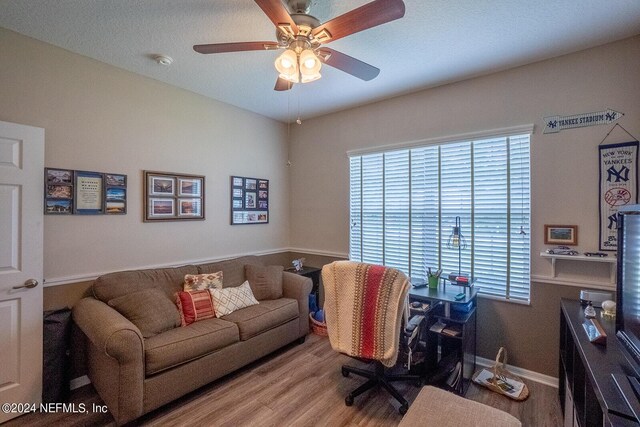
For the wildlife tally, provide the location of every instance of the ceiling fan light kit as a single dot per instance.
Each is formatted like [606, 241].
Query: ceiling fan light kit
[302, 37]
[297, 67]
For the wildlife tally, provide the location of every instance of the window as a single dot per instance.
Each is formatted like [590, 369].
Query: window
[403, 206]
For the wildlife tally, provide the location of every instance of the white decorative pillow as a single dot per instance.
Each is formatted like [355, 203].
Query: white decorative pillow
[202, 282]
[228, 300]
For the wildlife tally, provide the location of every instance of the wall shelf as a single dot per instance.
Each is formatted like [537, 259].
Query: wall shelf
[611, 260]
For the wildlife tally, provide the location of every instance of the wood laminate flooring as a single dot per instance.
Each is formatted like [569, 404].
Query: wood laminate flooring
[299, 385]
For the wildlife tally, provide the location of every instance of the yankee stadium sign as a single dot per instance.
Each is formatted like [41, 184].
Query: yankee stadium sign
[557, 123]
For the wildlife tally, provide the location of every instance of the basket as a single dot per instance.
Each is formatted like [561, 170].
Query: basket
[500, 380]
[318, 328]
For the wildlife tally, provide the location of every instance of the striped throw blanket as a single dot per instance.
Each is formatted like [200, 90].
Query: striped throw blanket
[363, 307]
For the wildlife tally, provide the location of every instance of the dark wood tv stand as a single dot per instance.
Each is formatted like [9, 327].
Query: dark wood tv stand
[587, 388]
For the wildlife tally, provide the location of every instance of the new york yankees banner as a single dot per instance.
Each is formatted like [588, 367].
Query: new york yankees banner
[618, 187]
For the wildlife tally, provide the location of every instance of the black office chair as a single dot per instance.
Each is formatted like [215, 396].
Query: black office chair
[364, 307]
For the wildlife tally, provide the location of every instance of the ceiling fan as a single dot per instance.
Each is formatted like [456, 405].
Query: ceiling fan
[303, 36]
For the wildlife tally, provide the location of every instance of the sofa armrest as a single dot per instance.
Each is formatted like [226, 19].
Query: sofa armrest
[115, 357]
[298, 287]
[109, 331]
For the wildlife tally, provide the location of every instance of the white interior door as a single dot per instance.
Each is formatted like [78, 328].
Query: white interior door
[21, 195]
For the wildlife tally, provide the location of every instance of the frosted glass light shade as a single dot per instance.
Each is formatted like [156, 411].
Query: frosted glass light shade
[287, 66]
[309, 66]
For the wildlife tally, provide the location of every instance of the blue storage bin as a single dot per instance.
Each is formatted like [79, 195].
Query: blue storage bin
[462, 308]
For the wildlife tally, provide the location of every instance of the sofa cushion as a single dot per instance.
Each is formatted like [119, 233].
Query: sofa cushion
[228, 300]
[265, 282]
[194, 306]
[169, 280]
[180, 345]
[267, 315]
[201, 282]
[150, 310]
[232, 270]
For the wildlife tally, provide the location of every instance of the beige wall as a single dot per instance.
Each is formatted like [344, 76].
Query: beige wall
[100, 118]
[564, 170]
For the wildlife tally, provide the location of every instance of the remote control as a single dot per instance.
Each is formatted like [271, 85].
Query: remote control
[459, 297]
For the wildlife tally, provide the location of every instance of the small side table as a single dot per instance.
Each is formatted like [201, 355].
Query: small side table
[311, 272]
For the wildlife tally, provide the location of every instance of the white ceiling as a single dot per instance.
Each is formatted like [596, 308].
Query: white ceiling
[437, 42]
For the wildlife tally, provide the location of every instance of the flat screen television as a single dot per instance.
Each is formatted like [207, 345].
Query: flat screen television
[628, 301]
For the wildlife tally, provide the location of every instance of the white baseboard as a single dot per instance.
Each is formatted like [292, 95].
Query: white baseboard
[524, 373]
[79, 382]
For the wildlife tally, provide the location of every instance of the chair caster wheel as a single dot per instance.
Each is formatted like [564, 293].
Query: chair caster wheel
[345, 373]
[349, 400]
[403, 409]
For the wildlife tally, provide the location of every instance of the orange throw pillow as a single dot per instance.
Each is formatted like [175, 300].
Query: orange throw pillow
[194, 306]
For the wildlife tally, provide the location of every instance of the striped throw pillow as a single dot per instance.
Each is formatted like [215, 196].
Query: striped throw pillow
[194, 306]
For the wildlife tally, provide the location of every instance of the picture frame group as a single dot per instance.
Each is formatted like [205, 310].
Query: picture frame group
[561, 235]
[249, 200]
[173, 196]
[68, 191]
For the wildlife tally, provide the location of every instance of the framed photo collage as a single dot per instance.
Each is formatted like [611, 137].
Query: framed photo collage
[173, 196]
[69, 191]
[249, 200]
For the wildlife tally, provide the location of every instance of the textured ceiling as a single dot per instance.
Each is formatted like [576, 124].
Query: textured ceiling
[437, 42]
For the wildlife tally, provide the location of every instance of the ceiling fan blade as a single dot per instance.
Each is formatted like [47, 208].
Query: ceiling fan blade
[282, 85]
[278, 14]
[234, 47]
[370, 15]
[348, 64]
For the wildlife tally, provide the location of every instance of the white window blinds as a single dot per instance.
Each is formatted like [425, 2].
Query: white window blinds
[404, 203]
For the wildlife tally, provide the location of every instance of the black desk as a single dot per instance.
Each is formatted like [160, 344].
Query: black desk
[311, 272]
[459, 349]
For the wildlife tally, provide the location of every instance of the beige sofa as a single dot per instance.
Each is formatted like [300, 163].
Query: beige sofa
[135, 375]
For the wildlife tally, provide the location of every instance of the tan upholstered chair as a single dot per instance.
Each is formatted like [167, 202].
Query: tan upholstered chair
[436, 407]
[364, 306]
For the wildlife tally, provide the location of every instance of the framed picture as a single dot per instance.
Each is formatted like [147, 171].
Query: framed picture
[161, 185]
[159, 207]
[69, 191]
[189, 207]
[116, 207]
[249, 200]
[89, 193]
[58, 207]
[58, 191]
[189, 187]
[59, 176]
[561, 235]
[113, 180]
[173, 196]
[250, 183]
[115, 194]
